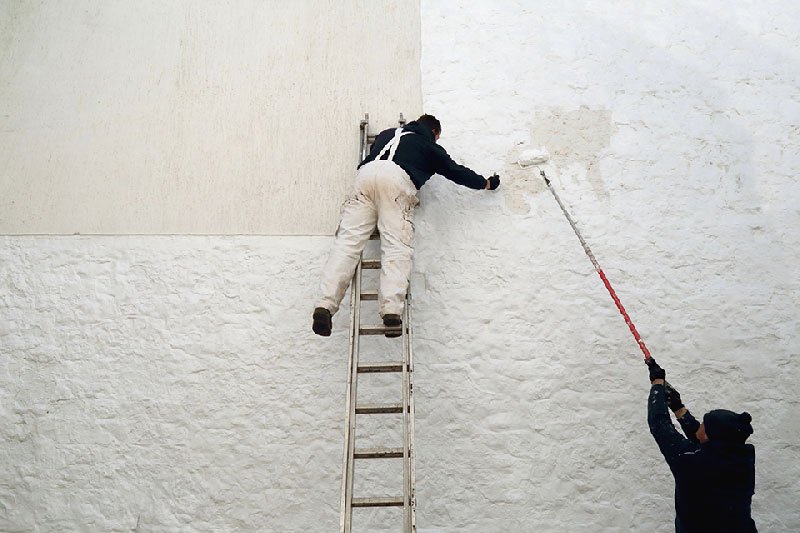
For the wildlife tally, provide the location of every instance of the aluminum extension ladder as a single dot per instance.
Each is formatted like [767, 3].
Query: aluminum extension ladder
[354, 409]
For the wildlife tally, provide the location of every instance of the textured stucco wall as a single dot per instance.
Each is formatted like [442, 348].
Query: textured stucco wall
[173, 383]
[673, 131]
[194, 117]
[165, 384]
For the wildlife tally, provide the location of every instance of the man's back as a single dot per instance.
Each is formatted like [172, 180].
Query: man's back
[713, 487]
[714, 481]
[420, 157]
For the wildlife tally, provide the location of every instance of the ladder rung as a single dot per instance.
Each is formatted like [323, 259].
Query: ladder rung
[378, 453]
[378, 502]
[371, 138]
[377, 330]
[379, 409]
[369, 296]
[371, 263]
[367, 368]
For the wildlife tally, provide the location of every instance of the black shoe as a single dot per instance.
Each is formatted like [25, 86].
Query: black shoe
[322, 322]
[394, 322]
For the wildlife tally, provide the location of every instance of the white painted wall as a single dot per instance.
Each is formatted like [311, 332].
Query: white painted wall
[194, 117]
[673, 131]
[165, 383]
[172, 383]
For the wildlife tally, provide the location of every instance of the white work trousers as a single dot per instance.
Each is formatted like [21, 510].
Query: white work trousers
[383, 194]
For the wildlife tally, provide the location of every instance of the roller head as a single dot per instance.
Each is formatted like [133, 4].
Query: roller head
[535, 156]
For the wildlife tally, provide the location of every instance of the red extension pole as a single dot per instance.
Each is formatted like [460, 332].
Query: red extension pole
[599, 270]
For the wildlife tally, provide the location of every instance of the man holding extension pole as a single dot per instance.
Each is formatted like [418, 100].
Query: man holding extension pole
[714, 469]
[385, 194]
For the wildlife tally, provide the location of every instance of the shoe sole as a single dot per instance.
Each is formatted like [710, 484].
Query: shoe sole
[393, 323]
[321, 325]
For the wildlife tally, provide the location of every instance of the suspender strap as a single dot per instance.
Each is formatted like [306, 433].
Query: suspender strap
[391, 146]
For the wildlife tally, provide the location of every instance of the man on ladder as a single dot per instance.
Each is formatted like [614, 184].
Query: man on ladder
[385, 194]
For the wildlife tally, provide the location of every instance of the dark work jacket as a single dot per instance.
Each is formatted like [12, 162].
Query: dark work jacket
[421, 157]
[714, 481]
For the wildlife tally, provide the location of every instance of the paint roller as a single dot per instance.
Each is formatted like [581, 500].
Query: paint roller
[532, 157]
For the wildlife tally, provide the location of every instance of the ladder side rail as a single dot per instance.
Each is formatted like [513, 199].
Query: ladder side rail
[364, 138]
[406, 443]
[346, 507]
[352, 393]
[409, 364]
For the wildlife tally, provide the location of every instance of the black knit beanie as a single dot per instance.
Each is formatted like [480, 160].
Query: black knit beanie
[728, 426]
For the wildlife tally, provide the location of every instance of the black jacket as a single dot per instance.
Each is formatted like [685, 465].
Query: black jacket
[714, 481]
[421, 157]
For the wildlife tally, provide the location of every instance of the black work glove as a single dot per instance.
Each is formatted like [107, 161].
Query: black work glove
[673, 398]
[494, 182]
[656, 372]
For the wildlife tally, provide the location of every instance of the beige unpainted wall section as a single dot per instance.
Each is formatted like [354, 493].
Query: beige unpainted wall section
[193, 117]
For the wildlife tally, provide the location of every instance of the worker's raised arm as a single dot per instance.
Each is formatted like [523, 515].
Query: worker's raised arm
[671, 443]
[688, 423]
[460, 174]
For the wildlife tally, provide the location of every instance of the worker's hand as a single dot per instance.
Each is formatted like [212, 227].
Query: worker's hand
[493, 182]
[673, 398]
[656, 372]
